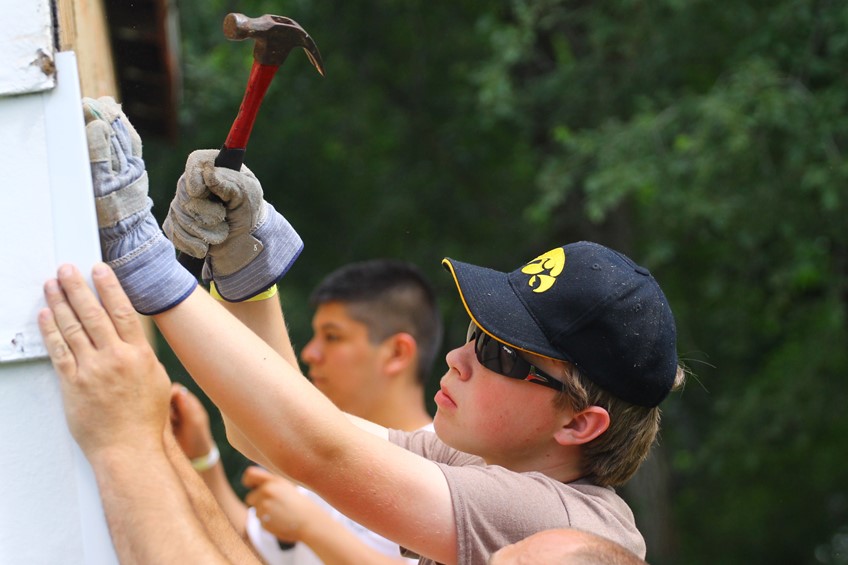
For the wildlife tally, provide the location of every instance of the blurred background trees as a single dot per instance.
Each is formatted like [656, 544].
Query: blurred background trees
[704, 139]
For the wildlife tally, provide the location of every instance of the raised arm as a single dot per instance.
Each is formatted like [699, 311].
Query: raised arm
[363, 476]
[265, 318]
[285, 511]
[284, 417]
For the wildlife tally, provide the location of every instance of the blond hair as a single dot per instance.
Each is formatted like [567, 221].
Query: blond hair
[613, 457]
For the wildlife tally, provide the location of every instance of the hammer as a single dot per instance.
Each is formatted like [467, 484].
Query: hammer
[275, 37]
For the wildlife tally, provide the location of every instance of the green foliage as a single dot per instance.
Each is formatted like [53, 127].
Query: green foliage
[723, 141]
[705, 139]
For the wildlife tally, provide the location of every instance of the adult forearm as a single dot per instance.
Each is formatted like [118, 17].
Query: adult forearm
[241, 442]
[234, 509]
[221, 512]
[138, 488]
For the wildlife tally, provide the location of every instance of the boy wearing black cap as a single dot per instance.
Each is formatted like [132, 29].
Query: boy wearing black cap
[589, 323]
[552, 400]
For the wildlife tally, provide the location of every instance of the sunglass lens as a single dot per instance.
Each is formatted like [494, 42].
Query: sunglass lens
[487, 351]
[508, 362]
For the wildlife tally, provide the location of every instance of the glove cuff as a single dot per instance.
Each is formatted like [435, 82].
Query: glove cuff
[281, 246]
[152, 277]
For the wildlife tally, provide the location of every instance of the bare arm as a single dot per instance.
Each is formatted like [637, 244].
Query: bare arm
[313, 441]
[337, 545]
[284, 506]
[135, 517]
[115, 394]
[291, 515]
[190, 424]
[265, 318]
[220, 529]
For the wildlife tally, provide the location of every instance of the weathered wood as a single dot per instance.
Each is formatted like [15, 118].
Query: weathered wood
[83, 28]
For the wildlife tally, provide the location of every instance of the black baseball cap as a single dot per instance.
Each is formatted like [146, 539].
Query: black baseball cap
[586, 304]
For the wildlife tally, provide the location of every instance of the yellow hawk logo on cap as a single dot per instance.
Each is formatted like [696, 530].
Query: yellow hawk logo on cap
[545, 269]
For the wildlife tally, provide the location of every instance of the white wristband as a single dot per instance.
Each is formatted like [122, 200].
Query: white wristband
[206, 462]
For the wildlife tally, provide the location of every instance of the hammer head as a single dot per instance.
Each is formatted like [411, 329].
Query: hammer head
[275, 37]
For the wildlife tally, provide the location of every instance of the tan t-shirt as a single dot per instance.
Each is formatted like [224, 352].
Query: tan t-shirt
[495, 507]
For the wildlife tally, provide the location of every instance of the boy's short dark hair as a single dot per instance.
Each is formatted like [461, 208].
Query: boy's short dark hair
[389, 296]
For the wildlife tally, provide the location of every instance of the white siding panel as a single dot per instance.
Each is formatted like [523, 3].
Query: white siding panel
[51, 511]
[26, 47]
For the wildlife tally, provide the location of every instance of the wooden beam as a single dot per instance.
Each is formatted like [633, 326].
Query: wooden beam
[82, 28]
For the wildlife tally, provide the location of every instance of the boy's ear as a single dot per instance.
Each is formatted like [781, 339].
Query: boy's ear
[584, 426]
[402, 350]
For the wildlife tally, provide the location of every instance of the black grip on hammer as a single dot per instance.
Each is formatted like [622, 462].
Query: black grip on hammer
[230, 158]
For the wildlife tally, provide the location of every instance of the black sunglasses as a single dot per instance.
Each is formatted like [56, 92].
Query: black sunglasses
[504, 360]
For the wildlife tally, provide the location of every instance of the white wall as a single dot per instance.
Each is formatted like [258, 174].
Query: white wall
[50, 510]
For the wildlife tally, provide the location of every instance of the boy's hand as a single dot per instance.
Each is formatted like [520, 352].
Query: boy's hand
[220, 215]
[130, 239]
[283, 511]
[190, 423]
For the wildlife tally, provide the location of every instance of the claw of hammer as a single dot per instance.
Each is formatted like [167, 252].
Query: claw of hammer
[275, 37]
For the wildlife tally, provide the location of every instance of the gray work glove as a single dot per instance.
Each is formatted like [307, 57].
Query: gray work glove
[130, 239]
[220, 215]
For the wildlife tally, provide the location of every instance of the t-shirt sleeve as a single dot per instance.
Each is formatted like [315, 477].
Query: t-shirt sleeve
[495, 507]
[428, 445]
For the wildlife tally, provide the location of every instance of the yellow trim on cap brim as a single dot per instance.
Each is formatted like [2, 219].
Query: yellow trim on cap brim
[445, 261]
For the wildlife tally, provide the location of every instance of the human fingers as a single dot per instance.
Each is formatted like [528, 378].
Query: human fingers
[60, 354]
[260, 497]
[191, 407]
[252, 498]
[65, 319]
[197, 163]
[254, 477]
[175, 415]
[275, 491]
[118, 306]
[86, 308]
[190, 423]
[233, 187]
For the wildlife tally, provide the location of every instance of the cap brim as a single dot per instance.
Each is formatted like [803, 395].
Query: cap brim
[492, 303]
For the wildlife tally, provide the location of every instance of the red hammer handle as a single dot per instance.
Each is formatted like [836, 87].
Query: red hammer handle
[231, 155]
